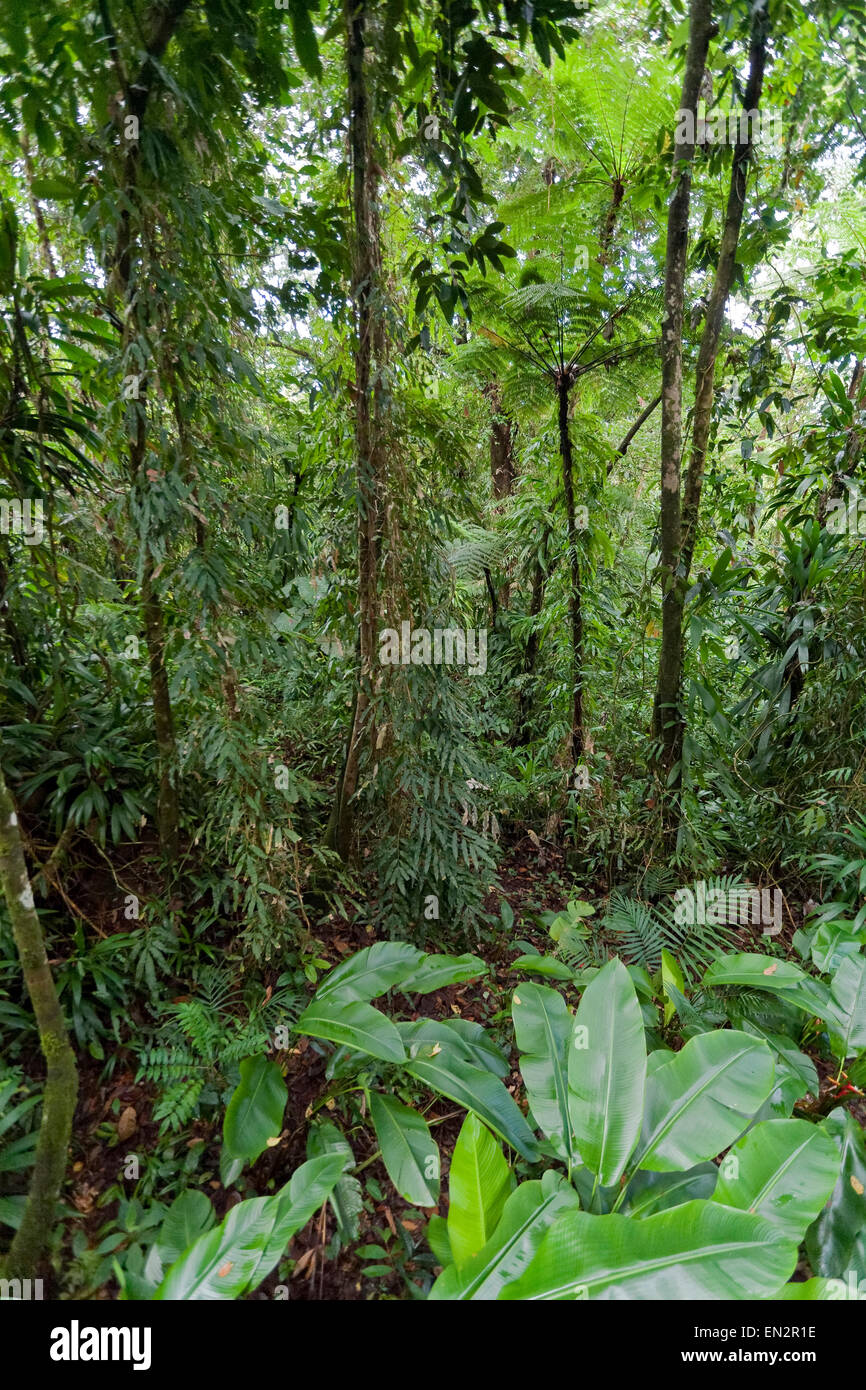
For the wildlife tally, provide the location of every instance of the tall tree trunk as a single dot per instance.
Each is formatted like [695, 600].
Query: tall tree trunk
[368, 357]
[575, 603]
[536, 601]
[160, 24]
[61, 1077]
[673, 591]
[677, 563]
[502, 431]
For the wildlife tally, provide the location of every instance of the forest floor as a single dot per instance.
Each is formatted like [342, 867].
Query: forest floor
[532, 878]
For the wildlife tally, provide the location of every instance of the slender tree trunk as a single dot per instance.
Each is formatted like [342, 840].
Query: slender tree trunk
[167, 815]
[160, 24]
[368, 358]
[668, 702]
[575, 603]
[535, 604]
[673, 590]
[61, 1078]
[502, 432]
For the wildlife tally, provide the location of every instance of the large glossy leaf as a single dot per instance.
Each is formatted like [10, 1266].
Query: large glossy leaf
[701, 1100]
[782, 1170]
[846, 1020]
[695, 1251]
[832, 943]
[436, 972]
[189, 1216]
[834, 1243]
[542, 1027]
[526, 1216]
[409, 1151]
[780, 977]
[371, 972]
[479, 1182]
[460, 1037]
[544, 965]
[243, 1249]
[796, 1073]
[255, 1112]
[354, 1024]
[445, 1070]
[652, 1192]
[607, 1072]
[811, 1291]
[346, 1197]
[309, 1186]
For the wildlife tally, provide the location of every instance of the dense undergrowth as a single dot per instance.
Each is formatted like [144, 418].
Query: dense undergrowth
[406, 939]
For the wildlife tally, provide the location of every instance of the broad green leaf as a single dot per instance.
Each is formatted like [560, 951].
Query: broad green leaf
[542, 1027]
[371, 972]
[409, 1150]
[834, 1240]
[795, 1073]
[832, 942]
[782, 1170]
[846, 1020]
[477, 1090]
[354, 1024]
[309, 1186]
[436, 972]
[694, 1251]
[189, 1216]
[526, 1216]
[437, 1239]
[346, 1197]
[701, 1100]
[255, 1112]
[607, 1072]
[240, 1252]
[460, 1037]
[780, 977]
[671, 975]
[649, 1193]
[544, 965]
[811, 1290]
[479, 1181]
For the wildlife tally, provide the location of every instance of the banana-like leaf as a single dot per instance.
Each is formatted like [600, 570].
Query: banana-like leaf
[526, 1216]
[835, 1242]
[460, 1037]
[239, 1253]
[437, 972]
[445, 1070]
[353, 1024]
[255, 1112]
[544, 965]
[784, 1171]
[649, 1193]
[372, 971]
[542, 1027]
[346, 1198]
[701, 1100]
[607, 1072]
[409, 1151]
[672, 975]
[811, 1291]
[780, 977]
[846, 1021]
[189, 1216]
[832, 943]
[479, 1181]
[695, 1251]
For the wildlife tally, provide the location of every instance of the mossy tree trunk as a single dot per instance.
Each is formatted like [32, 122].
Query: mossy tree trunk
[61, 1076]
